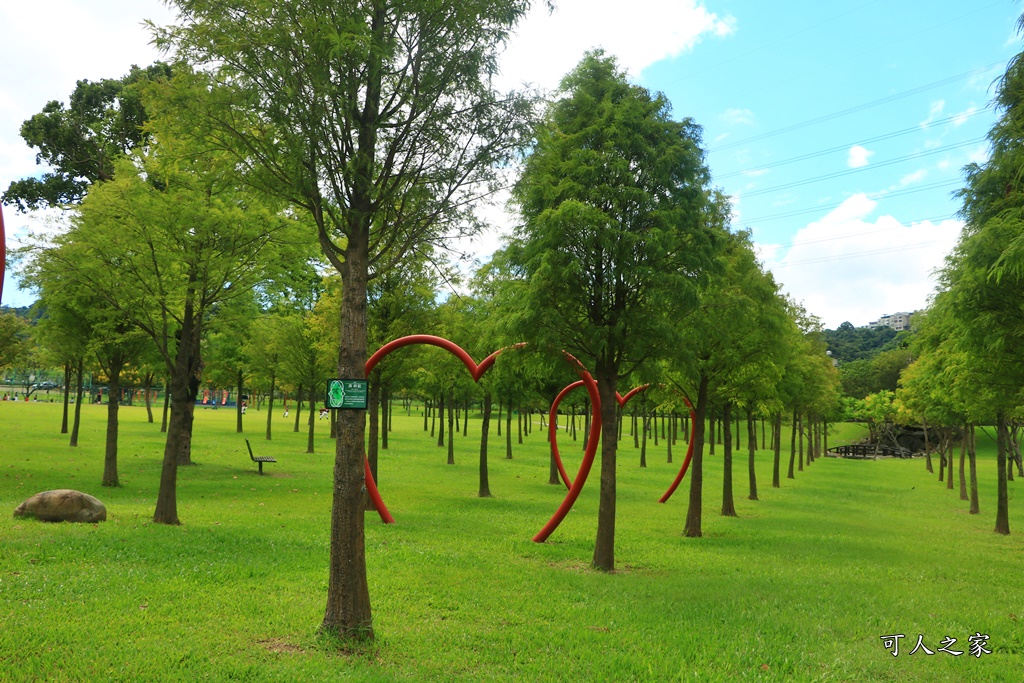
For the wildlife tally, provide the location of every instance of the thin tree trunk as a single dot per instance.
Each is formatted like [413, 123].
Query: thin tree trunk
[238, 402]
[78, 403]
[972, 465]
[501, 406]
[167, 405]
[693, 510]
[298, 408]
[604, 547]
[1002, 499]
[963, 459]
[751, 450]
[67, 397]
[728, 504]
[440, 430]
[800, 444]
[485, 487]
[451, 430]
[927, 447]
[311, 424]
[116, 363]
[270, 405]
[386, 416]
[792, 447]
[777, 450]
[643, 445]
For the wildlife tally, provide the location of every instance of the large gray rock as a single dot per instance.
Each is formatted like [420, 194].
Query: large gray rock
[63, 505]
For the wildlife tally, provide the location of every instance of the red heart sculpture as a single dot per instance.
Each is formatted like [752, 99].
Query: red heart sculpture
[553, 414]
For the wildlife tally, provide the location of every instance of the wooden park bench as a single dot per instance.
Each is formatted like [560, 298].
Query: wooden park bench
[259, 460]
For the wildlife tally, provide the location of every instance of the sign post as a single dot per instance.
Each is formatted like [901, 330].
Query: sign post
[346, 394]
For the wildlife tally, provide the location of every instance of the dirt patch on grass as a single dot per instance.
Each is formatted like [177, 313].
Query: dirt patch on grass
[278, 645]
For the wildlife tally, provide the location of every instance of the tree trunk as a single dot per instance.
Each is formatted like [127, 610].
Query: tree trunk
[972, 463]
[644, 423]
[485, 487]
[465, 420]
[604, 547]
[181, 374]
[728, 504]
[440, 429]
[238, 402]
[270, 404]
[693, 510]
[501, 406]
[426, 413]
[751, 451]
[927, 447]
[671, 438]
[963, 459]
[149, 398]
[792, 447]
[167, 405]
[520, 423]
[347, 613]
[1002, 501]
[311, 423]
[67, 398]
[78, 403]
[800, 444]
[777, 450]
[298, 408]
[451, 430]
[116, 364]
[192, 392]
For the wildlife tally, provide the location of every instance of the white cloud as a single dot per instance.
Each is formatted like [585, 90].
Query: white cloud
[647, 32]
[961, 118]
[934, 112]
[847, 266]
[914, 177]
[858, 157]
[738, 117]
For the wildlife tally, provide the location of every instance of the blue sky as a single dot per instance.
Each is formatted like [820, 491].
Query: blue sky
[896, 90]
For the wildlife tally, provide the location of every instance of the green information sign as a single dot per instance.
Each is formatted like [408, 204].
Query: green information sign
[346, 394]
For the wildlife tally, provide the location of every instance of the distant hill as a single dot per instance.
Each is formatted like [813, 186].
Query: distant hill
[848, 343]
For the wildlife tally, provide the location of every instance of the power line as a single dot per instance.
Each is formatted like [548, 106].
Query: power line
[873, 195]
[861, 107]
[849, 171]
[878, 138]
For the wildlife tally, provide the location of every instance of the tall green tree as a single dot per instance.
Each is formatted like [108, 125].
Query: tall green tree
[380, 120]
[82, 141]
[613, 239]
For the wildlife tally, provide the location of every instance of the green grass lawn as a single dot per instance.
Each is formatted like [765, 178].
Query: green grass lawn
[799, 587]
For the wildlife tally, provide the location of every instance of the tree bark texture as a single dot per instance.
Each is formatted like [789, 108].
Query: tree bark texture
[728, 503]
[693, 510]
[115, 365]
[485, 486]
[751, 452]
[348, 613]
[604, 547]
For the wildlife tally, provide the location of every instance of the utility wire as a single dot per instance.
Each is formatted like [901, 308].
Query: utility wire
[869, 167]
[878, 138]
[861, 107]
[872, 195]
[860, 254]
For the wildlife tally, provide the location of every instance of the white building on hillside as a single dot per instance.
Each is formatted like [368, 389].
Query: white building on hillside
[897, 321]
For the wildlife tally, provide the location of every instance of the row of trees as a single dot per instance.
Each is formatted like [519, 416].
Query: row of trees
[967, 350]
[272, 139]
